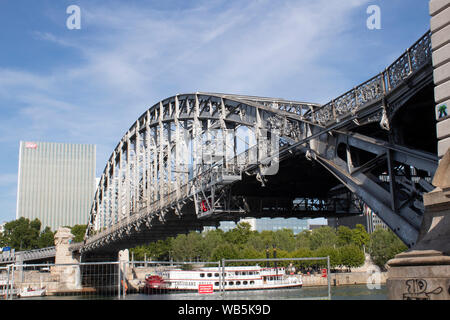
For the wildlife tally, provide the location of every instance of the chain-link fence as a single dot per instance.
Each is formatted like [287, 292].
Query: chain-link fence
[62, 281]
[157, 280]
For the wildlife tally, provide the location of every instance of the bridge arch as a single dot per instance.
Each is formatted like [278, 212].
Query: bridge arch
[178, 167]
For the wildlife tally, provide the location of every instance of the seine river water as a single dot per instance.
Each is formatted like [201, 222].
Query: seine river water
[351, 292]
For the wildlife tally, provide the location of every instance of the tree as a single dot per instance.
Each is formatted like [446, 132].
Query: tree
[22, 234]
[323, 237]
[333, 253]
[46, 238]
[344, 236]
[239, 235]
[210, 240]
[284, 239]
[383, 246]
[225, 251]
[359, 236]
[351, 256]
[303, 239]
[187, 247]
[78, 231]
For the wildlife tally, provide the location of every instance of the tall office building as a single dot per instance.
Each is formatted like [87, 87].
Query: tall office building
[268, 224]
[56, 183]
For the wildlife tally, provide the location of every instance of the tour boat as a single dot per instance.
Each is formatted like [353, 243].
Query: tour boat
[29, 292]
[207, 280]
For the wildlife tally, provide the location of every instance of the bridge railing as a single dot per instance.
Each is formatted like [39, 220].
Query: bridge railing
[412, 60]
[234, 166]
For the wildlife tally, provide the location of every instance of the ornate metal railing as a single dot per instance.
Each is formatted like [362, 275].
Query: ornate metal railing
[414, 58]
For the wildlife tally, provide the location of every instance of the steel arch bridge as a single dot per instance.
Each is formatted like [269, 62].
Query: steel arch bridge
[196, 159]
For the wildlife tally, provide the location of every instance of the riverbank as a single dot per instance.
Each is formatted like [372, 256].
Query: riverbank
[345, 278]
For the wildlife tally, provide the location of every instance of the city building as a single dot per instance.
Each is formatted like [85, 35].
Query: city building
[349, 221]
[373, 221]
[368, 219]
[269, 224]
[56, 183]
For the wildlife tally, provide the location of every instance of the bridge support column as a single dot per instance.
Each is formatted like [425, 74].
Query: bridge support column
[66, 269]
[424, 271]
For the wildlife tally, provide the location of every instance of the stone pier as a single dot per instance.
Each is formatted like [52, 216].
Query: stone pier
[66, 270]
[423, 273]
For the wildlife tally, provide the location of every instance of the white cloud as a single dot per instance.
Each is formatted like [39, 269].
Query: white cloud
[131, 57]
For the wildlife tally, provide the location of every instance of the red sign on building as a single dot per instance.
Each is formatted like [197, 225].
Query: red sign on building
[324, 273]
[205, 288]
[30, 145]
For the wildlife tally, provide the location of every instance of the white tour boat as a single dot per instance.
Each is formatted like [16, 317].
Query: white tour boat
[29, 292]
[209, 279]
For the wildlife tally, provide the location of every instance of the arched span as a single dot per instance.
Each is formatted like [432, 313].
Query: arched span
[149, 165]
[182, 158]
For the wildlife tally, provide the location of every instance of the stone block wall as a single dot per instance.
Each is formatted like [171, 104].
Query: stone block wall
[440, 40]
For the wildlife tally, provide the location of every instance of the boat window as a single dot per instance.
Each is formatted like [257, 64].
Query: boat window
[216, 274]
[231, 283]
[209, 275]
[216, 284]
[202, 275]
[252, 282]
[238, 283]
[237, 273]
[244, 283]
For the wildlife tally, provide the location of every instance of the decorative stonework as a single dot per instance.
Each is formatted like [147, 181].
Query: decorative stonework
[423, 273]
[68, 275]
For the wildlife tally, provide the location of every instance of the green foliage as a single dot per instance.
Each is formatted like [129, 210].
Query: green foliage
[23, 234]
[333, 253]
[344, 236]
[344, 246]
[383, 246]
[360, 237]
[239, 235]
[323, 237]
[303, 239]
[225, 251]
[351, 256]
[46, 238]
[78, 231]
[187, 247]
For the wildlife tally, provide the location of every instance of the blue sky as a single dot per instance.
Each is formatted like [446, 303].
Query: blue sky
[90, 85]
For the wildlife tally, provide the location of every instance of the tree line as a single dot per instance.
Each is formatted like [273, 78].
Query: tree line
[25, 234]
[344, 246]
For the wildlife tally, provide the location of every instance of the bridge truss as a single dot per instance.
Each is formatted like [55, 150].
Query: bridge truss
[195, 159]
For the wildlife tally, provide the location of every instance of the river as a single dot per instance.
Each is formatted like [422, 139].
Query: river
[350, 292]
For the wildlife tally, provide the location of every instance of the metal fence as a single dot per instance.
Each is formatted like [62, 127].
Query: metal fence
[226, 279]
[62, 281]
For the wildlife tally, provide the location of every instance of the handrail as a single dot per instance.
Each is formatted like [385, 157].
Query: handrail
[413, 59]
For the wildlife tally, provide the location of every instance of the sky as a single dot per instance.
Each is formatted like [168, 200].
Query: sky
[89, 85]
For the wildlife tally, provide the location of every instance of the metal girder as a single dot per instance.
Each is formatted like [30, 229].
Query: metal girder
[151, 176]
